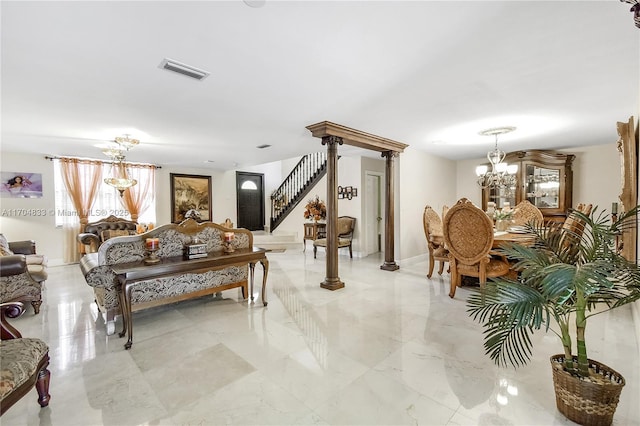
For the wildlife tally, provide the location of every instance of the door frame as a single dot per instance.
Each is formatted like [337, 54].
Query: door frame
[379, 195]
[239, 176]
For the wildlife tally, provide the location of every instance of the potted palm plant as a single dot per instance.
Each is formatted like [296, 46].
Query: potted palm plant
[565, 277]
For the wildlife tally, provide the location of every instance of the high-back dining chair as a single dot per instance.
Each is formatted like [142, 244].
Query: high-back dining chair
[525, 212]
[573, 225]
[468, 235]
[435, 240]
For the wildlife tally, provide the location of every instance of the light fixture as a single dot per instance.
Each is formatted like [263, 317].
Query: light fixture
[501, 175]
[120, 179]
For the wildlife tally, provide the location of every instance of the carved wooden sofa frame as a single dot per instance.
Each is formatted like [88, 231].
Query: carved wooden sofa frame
[91, 237]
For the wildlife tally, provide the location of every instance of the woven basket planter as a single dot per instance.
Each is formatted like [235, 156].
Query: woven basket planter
[585, 402]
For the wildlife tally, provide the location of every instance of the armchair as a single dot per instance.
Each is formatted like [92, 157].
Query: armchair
[16, 282]
[346, 225]
[36, 263]
[96, 233]
[24, 362]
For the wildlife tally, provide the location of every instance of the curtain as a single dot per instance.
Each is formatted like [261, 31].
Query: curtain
[81, 178]
[138, 198]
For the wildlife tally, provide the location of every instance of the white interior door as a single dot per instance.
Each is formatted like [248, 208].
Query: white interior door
[373, 212]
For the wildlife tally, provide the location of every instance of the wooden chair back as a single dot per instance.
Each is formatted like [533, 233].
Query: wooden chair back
[573, 225]
[468, 232]
[525, 212]
[431, 222]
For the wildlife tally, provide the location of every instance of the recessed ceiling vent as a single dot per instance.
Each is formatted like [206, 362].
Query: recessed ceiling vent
[184, 69]
[263, 146]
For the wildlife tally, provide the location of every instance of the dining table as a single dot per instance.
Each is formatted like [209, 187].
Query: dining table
[501, 237]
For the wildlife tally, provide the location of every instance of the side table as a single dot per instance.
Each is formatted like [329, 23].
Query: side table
[313, 231]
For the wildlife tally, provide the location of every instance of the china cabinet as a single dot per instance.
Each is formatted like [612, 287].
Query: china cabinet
[545, 178]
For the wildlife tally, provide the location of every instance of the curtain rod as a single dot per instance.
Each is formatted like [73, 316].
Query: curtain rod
[55, 157]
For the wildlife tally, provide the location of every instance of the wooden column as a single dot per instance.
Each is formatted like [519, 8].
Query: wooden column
[389, 223]
[332, 280]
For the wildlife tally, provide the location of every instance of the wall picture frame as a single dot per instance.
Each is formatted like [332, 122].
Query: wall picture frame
[190, 197]
[20, 185]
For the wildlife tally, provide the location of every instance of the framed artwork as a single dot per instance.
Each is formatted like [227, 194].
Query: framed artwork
[20, 185]
[190, 198]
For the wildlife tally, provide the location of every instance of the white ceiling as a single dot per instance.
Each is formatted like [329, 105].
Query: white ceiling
[431, 74]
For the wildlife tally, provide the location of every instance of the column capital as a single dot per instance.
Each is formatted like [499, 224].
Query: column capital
[332, 140]
[390, 154]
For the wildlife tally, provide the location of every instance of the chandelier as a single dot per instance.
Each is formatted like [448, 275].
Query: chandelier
[120, 179]
[501, 175]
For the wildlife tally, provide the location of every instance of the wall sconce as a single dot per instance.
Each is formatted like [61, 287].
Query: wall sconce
[347, 192]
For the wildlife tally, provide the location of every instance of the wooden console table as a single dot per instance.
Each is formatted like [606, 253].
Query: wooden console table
[131, 273]
[313, 231]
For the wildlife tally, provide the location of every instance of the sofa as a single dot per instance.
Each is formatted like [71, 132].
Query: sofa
[95, 233]
[97, 267]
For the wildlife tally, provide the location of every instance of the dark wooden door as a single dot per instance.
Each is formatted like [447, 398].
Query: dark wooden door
[250, 196]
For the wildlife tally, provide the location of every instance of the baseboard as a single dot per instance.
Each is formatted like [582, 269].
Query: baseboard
[415, 259]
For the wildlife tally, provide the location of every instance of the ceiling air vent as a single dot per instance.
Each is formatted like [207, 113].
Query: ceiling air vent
[263, 146]
[184, 69]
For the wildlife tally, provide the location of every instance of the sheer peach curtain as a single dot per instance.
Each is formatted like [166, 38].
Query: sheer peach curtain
[81, 179]
[138, 198]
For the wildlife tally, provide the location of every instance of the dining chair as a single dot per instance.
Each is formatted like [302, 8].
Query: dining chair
[468, 235]
[435, 240]
[525, 212]
[573, 226]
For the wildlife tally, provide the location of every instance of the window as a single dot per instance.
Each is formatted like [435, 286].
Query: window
[108, 201]
[247, 184]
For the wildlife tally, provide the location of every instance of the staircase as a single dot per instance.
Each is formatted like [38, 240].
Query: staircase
[309, 170]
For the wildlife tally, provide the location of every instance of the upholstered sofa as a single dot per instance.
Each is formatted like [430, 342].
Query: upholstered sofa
[95, 233]
[98, 273]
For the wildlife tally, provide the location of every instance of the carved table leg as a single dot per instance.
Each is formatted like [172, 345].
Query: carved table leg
[265, 265]
[252, 267]
[127, 315]
[122, 311]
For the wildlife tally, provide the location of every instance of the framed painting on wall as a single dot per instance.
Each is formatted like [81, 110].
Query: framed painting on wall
[190, 197]
[21, 185]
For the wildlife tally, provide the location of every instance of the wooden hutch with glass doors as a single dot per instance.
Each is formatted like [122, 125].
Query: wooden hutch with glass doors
[545, 178]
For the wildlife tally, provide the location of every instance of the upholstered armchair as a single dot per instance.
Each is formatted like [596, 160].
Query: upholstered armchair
[24, 362]
[525, 212]
[96, 233]
[435, 239]
[36, 263]
[346, 225]
[16, 282]
[468, 234]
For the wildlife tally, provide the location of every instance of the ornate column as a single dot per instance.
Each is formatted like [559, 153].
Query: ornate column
[389, 262]
[332, 280]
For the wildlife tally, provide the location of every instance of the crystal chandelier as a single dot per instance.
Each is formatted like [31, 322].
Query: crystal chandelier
[501, 175]
[120, 179]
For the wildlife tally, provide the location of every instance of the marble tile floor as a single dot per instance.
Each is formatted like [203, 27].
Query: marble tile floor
[391, 348]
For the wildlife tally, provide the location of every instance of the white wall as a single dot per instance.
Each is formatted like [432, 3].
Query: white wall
[32, 218]
[423, 179]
